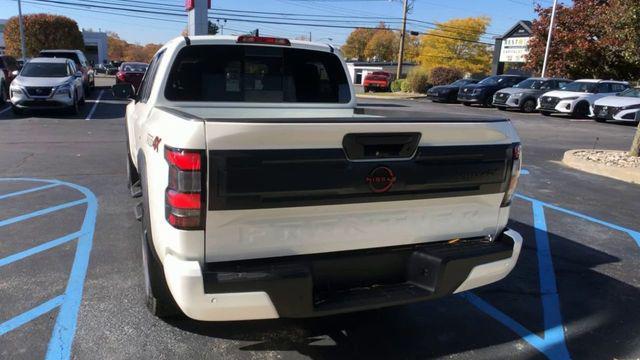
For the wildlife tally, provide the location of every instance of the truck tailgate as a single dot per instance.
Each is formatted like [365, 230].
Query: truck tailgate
[290, 187]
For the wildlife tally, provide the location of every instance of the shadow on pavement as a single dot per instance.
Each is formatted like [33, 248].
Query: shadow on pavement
[599, 312]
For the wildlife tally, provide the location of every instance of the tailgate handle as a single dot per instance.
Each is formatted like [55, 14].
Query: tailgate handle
[376, 146]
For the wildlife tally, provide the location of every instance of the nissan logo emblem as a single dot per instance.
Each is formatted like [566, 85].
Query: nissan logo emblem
[381, 179]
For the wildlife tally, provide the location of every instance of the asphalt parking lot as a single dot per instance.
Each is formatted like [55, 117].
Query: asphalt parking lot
[71, 281]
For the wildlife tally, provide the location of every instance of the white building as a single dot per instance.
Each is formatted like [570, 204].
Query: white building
[2, 22]
[95, 46]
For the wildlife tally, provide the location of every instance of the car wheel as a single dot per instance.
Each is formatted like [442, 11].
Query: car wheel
[501, 108]
[600, 120]
[159, 300]
[580, 111]
[487, 102]
[545, 113]
[466, 104]
[74, 109]
[3, 94]
[529, 106]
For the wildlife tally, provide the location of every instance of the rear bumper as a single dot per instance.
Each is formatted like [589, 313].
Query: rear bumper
[331, 283]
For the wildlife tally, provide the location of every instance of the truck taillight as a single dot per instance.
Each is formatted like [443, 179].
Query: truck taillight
[184, 197]
[515, 174]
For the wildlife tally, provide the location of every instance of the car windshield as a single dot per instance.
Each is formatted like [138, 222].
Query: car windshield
[460, 82]
[134, 67]
[583, 87]
[530, 84]
[64, 55]
[492, 80]
[631, 93]
[257, 74]
[37, 69]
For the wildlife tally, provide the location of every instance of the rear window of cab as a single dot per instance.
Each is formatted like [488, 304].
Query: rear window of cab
[263, 74]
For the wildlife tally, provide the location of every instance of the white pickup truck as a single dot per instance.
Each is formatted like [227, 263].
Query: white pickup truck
[266, 192]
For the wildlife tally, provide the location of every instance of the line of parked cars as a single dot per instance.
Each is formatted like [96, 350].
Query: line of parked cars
[56, 79]
[601, 100]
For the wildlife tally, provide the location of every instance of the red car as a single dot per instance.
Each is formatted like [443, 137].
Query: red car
[131, 73]
[377, 80]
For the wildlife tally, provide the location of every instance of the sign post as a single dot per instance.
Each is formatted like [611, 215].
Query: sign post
[198, 16]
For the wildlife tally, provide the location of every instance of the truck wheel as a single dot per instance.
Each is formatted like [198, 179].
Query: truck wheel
[158, 297]
[133, 177]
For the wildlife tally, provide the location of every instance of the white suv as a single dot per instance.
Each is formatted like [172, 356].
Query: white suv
[576, 98]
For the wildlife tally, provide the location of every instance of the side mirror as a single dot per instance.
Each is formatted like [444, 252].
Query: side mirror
[15, 73]
[123, 91]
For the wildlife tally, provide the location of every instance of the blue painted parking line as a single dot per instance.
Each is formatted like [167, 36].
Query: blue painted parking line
[40, 212]
[32, 314]
[61, 340]
[524, 172]
[553, 343]
[22, 192]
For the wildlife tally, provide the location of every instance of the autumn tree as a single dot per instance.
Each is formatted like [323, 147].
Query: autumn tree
[383, 45]
[355, 45]
[119, 49]
[456, 43]
[592, 39]
[42, 31]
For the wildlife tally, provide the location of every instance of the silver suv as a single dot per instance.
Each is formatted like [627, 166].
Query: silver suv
[46, 83]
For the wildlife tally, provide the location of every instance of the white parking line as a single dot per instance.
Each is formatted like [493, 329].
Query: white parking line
[5, 109]
[95, 105]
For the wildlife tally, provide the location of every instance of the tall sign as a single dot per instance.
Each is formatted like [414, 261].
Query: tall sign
[198, 16]
[512, 48]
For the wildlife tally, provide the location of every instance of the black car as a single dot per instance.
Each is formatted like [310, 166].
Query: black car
[448, 93]
[482, 92]
[524, 95]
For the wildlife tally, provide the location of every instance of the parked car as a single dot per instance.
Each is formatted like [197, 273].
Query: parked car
[3, 94]
[377, 80]
[8, 67]
[100, 69]
[46, 83]
[111, 69]
[448, 93]
[524, 95]
[482, 92]
[311, 207]
[576, 98]
[81, 62]
[624, 106]
[132, 73]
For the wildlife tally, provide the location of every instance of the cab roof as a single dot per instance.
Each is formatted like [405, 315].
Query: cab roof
[233, 40]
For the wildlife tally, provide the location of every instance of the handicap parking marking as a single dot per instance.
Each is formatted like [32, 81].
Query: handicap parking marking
[524, 172]
[553, 342]
[68, 303]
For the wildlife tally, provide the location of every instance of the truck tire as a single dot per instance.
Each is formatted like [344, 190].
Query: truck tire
[158, 298]
[132, 173]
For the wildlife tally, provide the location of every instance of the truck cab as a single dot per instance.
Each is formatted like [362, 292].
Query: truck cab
[266, 192]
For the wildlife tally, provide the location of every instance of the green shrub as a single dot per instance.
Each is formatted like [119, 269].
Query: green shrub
[405, 86]
[417, 80]
[396, 85]
[443, 75]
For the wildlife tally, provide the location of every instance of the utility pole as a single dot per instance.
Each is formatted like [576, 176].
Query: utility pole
[546, 50]
[402, 36]
[23, 46]
[198, 18]
[309, 35]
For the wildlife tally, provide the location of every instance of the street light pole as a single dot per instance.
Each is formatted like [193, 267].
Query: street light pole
[23, 47]
[402, 36]
[546, 50]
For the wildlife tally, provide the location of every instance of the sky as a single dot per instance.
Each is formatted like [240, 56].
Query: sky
[159, 28]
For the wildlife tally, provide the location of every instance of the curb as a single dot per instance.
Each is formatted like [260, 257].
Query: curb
[630, 175]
